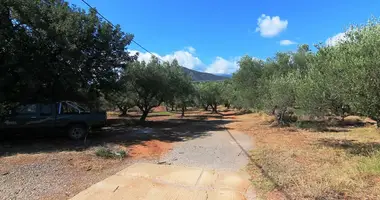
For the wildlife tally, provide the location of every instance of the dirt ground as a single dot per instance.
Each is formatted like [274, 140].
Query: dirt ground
[54, 167]
[308, 161]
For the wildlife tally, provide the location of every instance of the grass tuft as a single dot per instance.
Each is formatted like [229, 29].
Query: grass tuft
[370, 165]
[108, 153]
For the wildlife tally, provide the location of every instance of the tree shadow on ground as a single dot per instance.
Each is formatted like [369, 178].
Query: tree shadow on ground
[329, 125]
[120, 131]
[352, 146]
[205, 116]
[240, 112]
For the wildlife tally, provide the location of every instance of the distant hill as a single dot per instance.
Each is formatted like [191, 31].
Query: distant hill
[225, 75]
[202, 76]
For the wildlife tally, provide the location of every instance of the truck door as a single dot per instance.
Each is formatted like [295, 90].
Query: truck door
[22, 117]
[45, 117]
[65, 114]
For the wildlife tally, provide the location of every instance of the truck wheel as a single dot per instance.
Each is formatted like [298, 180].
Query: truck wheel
[77, 131]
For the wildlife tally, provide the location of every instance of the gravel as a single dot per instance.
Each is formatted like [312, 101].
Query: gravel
[215, 150]
[55, 175]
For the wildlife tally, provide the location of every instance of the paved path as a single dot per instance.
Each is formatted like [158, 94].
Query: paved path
[210, 167]
[216, 150]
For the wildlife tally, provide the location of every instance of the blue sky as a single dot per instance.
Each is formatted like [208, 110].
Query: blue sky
[211, 35]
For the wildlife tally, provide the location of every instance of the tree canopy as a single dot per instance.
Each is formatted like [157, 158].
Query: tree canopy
[333, 80]
[50, 50]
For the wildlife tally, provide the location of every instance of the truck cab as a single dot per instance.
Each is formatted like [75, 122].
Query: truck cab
[65, 116]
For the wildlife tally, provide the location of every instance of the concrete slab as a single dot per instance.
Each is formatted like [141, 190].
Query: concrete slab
[167, 173]
[166, 182]
[236, 181]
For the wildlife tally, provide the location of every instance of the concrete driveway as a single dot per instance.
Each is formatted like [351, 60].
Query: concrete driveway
[166, 182]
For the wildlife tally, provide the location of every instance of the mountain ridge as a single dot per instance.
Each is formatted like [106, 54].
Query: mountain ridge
[203, 76]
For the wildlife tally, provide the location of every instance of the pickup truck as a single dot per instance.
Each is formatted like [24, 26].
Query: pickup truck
[64, 116]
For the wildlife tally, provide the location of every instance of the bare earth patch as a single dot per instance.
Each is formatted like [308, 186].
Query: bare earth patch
[153, 148]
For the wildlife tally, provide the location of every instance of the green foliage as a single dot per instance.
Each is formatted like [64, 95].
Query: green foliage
[228, 94]
[148, 82]
[53, 51]
[180, 91]
[281, 93]
[370, 164]
[210, 94]
[335, 80]
[121, 97]
[359, 57]
[50, 50]
[148, 85]
[247, 82]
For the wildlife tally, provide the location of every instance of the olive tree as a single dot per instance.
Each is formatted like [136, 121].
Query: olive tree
[148, 82]
[180, 91]
[359, 60]
[210, 94]
[53, 51]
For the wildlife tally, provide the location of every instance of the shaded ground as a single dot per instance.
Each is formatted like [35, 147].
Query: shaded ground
[120, 132]
[30, 164]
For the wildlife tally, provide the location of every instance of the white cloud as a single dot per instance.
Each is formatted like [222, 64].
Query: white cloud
[222, 66]
[287, 42]
[191, 49]
[270, 26]
[184, 57]
[187, 59]
[336, 39]
[143, 56]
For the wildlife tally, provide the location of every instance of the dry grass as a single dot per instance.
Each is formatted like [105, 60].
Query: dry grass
[338, 163]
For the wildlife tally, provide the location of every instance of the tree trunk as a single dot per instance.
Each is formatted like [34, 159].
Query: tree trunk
[282, 117]
[144, 115]
[123, 112]
[227, 105]
[206, 107]
[172, 107]
[214, 108]
[183, 111]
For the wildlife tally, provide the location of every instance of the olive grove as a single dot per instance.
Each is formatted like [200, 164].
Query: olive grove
[332, 80]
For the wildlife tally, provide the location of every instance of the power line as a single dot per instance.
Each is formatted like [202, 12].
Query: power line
[146, 50]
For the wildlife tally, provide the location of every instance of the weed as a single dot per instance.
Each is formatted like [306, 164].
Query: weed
[370, 165]
[108, 153]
